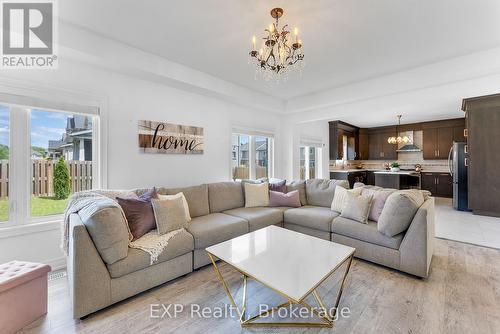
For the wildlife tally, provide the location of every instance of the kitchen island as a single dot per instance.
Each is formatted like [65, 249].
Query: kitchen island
[398, 180]
[405, 179]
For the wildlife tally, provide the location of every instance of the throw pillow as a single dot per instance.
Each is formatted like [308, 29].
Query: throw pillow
[279, 186]
[291, 199]
[170, 213]
[139, 213]
[340, 197]
[357, 207]
[256, 194]
[301, 187]
[378, 203]
[398, 212]
[184, 202]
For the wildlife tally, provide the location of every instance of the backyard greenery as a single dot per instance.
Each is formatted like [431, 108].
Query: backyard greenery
[40, 206]
[62, 182]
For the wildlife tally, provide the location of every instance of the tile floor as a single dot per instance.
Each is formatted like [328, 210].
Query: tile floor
[466, 227]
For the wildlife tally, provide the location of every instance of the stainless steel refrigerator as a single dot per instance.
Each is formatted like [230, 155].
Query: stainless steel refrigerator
[458, 170]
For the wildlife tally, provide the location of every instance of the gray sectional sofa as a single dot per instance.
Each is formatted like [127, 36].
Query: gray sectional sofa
[218, 213]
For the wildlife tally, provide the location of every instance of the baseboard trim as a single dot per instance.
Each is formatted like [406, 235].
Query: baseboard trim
[57, 263]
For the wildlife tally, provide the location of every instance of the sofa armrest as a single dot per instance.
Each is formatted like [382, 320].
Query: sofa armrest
[89, 280]
[417, 246]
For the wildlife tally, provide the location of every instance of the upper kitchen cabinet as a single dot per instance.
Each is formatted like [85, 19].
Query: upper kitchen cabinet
[344, 141]
[438, 137]
[378, 147]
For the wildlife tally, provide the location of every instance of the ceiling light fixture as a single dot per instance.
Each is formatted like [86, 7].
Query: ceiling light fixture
[279, 51]
[398, 139]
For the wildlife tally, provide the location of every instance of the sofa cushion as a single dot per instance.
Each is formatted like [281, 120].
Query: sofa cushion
[315, 217]
[258, 217]
[197, 198]
[365, 232]
[137, 259]
[399, 210]
[108, 229]
[216, 227]
[320, 192]
[299, 185]
[225, 196]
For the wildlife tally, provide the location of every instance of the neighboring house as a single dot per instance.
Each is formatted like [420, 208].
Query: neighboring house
[76, 143]
[241, 156]
[36, 155]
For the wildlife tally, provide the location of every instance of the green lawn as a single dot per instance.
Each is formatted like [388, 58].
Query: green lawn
[40, 206]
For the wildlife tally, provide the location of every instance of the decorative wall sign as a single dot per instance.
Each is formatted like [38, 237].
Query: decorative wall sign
[167, 138]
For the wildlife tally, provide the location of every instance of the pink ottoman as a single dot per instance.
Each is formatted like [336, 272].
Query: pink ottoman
[23, 294]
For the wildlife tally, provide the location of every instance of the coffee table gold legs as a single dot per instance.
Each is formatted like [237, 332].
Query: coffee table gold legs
[323, 314]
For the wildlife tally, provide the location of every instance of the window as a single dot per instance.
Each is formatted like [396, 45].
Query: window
[58, 136]
[4, 162]
[32, 142]
[252, 156]
[309, 162]
[262, 148]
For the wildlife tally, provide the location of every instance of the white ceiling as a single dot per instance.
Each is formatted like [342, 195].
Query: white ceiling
[344, 41]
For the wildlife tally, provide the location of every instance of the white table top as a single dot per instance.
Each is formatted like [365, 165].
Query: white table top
[284, 260]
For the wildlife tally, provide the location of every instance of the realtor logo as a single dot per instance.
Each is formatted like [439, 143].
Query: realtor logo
[28, 31]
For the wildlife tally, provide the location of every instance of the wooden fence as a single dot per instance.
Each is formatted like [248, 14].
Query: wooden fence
[243, 172]
[42, 180]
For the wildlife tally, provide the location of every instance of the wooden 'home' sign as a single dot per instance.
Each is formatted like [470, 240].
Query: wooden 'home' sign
[167, 138]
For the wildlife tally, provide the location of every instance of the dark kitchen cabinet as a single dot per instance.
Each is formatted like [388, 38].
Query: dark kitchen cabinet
[439, 184]
[379, 148]
[370, 178]
[364, 152]
[343, 134]
[388, 150]
[483, 154]
[444, 186]
[438, 137]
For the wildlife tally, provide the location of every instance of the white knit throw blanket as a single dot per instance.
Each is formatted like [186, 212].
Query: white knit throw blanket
[151, 243]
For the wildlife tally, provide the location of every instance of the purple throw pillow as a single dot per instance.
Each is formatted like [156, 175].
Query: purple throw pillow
[279, 186]
[379, 198]
[291, 199]
[139, 213]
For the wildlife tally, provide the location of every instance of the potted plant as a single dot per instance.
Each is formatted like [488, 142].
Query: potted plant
[395, 166]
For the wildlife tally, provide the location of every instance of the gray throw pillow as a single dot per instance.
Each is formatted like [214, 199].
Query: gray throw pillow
[299, 185]
[170, 214]
[357, 207]
[398, 212]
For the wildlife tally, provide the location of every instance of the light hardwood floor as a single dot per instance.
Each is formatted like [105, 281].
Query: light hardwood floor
[462, 295]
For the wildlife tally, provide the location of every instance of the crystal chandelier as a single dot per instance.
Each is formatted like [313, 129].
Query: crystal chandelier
[398, 139]
[280, 52]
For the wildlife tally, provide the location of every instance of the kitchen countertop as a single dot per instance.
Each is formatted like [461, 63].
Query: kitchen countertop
[353, 170]
[402, 172]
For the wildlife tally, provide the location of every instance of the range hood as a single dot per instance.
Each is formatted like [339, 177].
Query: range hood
[410, 147]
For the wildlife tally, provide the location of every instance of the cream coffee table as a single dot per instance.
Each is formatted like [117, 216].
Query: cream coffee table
[290, 263]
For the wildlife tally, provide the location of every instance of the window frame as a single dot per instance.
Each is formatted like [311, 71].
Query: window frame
[318, 156]
[252, 163]
[20, 176]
